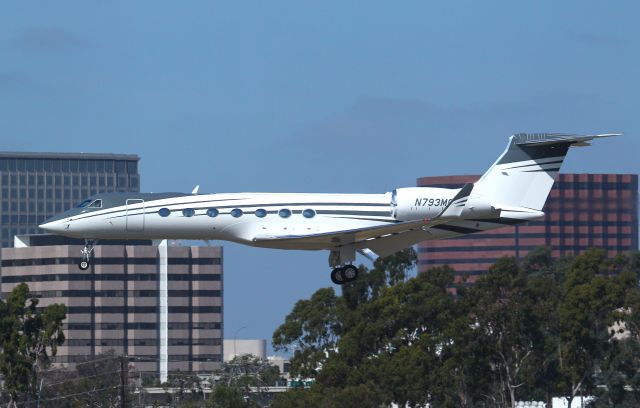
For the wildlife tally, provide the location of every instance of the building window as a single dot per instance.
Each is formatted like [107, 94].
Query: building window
[164, 212]
[261, 213]
[309, 213]
[212, 212]
[236, 212]
[121, 166]
[188, 212]
[284, 213]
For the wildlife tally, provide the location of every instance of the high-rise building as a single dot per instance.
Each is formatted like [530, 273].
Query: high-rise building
[582, 211]
[36, 186]
[160, 305]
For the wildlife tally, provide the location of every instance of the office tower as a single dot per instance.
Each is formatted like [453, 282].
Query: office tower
[160, 305]
[582, 211]
[35, 186]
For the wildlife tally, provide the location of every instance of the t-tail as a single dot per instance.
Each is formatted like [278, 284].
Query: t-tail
[519, 182]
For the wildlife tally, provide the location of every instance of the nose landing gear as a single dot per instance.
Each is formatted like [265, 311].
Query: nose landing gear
[85, 262]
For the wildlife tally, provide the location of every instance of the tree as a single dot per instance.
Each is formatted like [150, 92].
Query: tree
[95, 381]
[585, 314]
[506, 315]
[243, 382]
[531, 330]
[29, 336]
[313, 327]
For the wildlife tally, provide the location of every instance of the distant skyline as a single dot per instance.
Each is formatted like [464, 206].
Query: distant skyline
[330, 97]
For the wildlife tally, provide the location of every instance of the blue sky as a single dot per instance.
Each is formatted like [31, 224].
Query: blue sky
[302, 97]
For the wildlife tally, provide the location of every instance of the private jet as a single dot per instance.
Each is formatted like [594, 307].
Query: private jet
[511, 192]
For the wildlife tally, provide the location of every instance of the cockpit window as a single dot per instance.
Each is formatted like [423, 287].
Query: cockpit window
[84, 203]
[96, 204]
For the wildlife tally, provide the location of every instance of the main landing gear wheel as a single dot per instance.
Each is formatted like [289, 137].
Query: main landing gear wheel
[343, 275]
[350, 273]
[337, 277]
[86, 254]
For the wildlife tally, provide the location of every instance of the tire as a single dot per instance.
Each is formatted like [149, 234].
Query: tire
[350, 273]
[337, 277]
[83, 265]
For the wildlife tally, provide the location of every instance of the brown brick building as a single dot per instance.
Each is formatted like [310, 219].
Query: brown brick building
[582, 211]
[160, 304]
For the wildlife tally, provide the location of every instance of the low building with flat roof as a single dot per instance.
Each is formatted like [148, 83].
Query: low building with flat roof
[160, 305]
[240, 347]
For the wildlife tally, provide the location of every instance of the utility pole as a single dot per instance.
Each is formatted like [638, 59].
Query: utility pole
[123, 381]
[39, 393]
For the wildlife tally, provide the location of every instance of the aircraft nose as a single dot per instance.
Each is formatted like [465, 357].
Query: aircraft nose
[55, 226]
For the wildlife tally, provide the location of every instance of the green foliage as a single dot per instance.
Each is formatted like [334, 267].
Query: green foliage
[238, 376]
[94, 382]
[526, 330]
[28, 336]
[225, 396]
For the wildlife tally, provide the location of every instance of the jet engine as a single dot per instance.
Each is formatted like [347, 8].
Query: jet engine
[415, 203]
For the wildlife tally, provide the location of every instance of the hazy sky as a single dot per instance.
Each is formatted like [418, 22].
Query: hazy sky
[302, 96]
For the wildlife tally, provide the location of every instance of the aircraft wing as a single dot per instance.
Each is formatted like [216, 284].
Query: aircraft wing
[353, 236]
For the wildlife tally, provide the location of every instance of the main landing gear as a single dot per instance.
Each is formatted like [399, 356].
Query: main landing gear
[347, 273]
[340, 260]
[86, 254]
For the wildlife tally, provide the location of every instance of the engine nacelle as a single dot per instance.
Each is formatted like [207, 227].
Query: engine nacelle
[415, 203]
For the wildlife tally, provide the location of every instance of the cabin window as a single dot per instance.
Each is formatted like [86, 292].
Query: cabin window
[261, 213]
[84, 204]
[212, 212]
[284, 213]
[164, 212]
[95, 204]
[309, 213]
[188, 212]
[236, 212]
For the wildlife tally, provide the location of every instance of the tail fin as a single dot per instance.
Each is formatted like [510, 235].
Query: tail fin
[524, 174]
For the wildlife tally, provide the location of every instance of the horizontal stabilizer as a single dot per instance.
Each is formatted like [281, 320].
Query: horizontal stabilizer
[540, 139]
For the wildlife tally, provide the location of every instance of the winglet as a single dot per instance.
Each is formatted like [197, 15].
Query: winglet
[455, 206]
[195, 189]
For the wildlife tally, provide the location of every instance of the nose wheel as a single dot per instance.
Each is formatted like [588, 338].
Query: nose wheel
[344, 274]
[85, 262]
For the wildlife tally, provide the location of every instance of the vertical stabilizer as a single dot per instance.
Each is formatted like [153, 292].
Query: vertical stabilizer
[525, 172]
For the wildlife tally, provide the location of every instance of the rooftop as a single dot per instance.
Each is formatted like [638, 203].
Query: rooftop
[52, 155]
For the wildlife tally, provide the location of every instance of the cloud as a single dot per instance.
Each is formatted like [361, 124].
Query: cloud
[595, 40]
[371, 120]
[17, 81]
[48, 39]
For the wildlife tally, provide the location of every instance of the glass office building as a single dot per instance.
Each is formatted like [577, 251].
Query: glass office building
[582, 211]
[35, 186]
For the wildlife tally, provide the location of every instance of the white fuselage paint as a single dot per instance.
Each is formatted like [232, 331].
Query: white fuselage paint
[333, 212]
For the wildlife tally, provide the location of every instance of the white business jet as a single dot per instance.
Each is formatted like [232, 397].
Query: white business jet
[511, 192]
